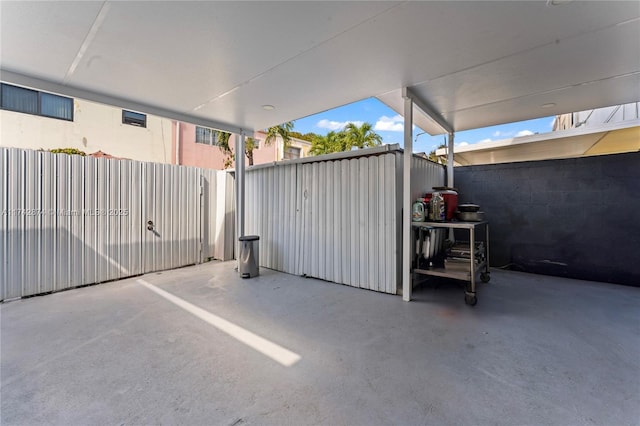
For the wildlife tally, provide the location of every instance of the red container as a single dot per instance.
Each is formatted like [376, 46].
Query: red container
[450, 202]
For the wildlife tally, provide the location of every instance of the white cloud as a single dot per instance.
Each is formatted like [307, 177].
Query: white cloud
[462, 144]
[336, 125]
[503, 134]
[390, 124]
[484, 140]
[524, 133]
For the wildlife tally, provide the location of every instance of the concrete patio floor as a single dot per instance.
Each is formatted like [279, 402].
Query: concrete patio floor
[536, 350]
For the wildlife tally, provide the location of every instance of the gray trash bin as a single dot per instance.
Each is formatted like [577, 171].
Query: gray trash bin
[249, 256]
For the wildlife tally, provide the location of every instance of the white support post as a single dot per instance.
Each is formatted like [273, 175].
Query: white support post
[450, 161]
[406, 199]
[239, 158]
[452, 234]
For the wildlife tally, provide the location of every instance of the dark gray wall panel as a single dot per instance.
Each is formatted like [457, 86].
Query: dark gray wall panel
[577, 218]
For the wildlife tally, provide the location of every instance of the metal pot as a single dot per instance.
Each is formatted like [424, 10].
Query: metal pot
[470, 216]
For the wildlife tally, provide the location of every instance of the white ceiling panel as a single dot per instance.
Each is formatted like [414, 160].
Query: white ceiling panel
[476, 63]
[598, 94]
[200, 51]
[43, 39]
[549, 73]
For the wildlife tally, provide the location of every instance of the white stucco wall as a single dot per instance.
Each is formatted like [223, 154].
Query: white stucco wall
[95, 127]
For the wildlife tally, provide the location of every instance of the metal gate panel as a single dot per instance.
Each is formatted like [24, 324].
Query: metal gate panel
[375, 280]
[344, 237]
[364, 229]
[131, 240]
[4, 229]
[352, 202]
[350, 219]
[391, 249]
[337, 229]
[299, 235]
[69, 220]
[171, 202]
[31, 221]
[46, 260]
[14, 254]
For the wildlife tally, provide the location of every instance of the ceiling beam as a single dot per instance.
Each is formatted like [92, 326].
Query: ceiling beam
[427, 109]
[74, 92]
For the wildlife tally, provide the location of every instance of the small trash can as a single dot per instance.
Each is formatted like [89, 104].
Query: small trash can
[249, 256]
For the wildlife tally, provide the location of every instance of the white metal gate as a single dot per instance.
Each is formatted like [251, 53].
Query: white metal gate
[171, 208]
[69, 221]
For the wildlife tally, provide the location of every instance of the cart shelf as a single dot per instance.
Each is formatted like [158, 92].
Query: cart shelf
[474, 268]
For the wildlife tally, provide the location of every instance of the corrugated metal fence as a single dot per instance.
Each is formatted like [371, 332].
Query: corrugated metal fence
[68, 221]
[337, 220]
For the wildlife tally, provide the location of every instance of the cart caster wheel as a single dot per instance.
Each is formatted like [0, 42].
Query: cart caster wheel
[485, 277]
[470, 300]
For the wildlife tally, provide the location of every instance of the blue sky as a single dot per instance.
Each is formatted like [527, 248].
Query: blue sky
[389, 125]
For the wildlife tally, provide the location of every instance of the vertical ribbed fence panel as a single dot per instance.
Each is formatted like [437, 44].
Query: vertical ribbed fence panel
[334, 220]
[350, 237]
[13, 246]
[270, 206]
[69, 221]
[4, 165]
[425, 175]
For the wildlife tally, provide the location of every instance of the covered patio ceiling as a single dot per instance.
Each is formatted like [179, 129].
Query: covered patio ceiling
[474, 64]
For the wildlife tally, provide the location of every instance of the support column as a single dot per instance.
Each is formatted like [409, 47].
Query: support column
[239, 159]
[450, 175]
[406, 199]
[450, 161]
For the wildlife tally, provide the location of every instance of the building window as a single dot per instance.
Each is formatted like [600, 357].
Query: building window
[30, 101]
[56, 106]
[291, 153]
[134, 118]
[206, 136]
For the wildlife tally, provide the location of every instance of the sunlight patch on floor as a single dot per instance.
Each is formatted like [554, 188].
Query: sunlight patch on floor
[260, 344]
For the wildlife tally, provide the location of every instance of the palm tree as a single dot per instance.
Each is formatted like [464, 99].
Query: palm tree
[283, 131]
[222, 141]
[362, 136]
[332, 142]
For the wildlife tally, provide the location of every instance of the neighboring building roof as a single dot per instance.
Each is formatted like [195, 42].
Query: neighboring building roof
[576, 142]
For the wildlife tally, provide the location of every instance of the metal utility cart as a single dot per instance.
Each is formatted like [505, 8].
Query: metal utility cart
[470, 270]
